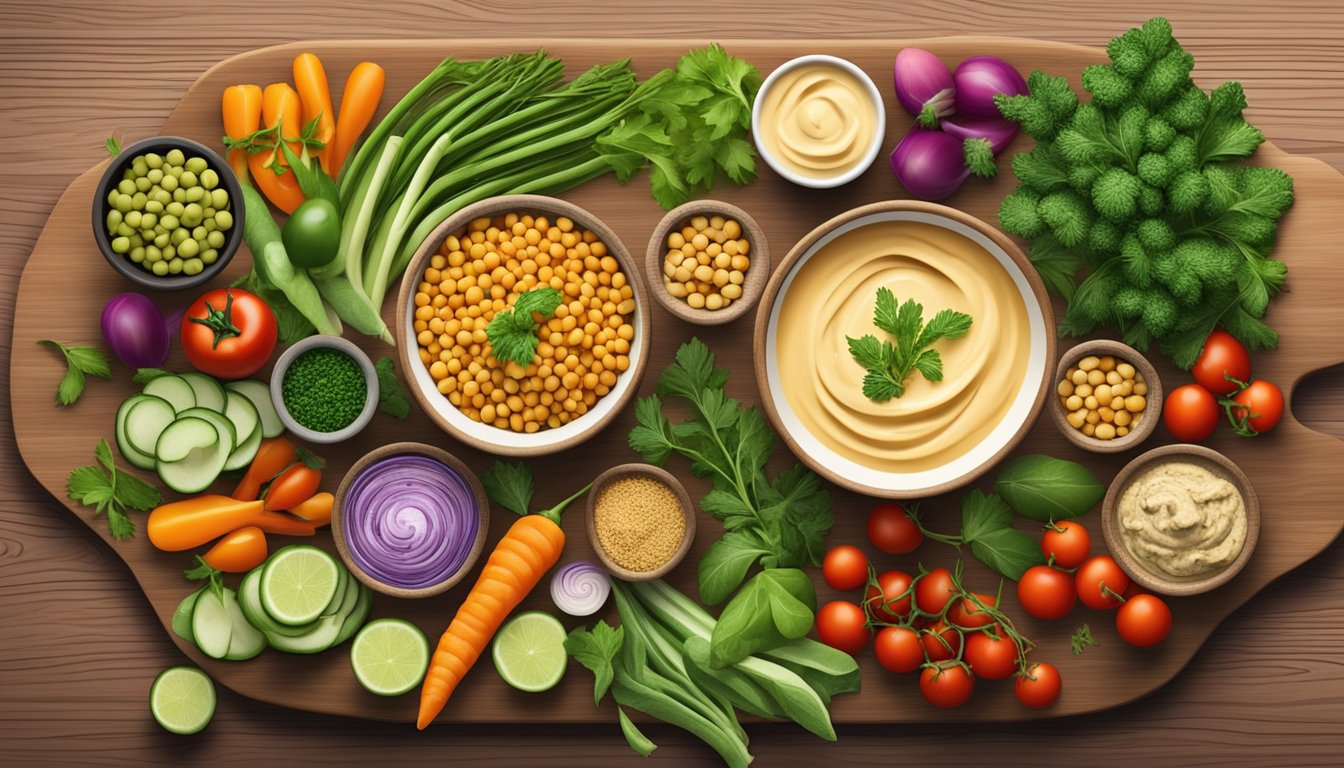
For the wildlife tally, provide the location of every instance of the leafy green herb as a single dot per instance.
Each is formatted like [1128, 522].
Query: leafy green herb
[780, 523]
[202, 571]
[889, 364]
[513, 332]
[510, 486]
[113, 145]
[777, 605]
[596, 649]
[110, 491]
[1082, 639]
[1139, 211]
[146, 375]
[79, 362]
[290, 322]
[1045, 488]
[393, 399]
[986, 524]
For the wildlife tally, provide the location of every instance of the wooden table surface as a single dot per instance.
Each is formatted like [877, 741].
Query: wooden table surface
[79, 645]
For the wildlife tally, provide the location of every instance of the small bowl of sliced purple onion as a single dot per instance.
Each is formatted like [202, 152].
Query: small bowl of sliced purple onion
[410, 520]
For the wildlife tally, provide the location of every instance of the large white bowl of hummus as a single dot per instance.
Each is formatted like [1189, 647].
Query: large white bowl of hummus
[939, 435]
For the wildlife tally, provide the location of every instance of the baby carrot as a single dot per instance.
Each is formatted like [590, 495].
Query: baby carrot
[279, 107]
[272, 457]
[311, 81]
[242, 117]
[359, 100]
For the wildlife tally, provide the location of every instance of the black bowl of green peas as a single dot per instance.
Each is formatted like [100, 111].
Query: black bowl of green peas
[168, 214]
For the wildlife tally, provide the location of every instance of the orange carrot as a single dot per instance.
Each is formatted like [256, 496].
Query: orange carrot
[311, 80]
[274, 522]
[272, 457]
[359, 100]
[238, 552]
[531, 547]
[279, 107]
[316, 510]
[189, 523]
[291, 487]
[242, 117]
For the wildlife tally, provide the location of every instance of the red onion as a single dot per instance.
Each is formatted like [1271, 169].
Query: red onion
[979, 79]
[923, 85]
[135, 330]
[580, 588]
[409, 521]
[929, 164]
[999, 133]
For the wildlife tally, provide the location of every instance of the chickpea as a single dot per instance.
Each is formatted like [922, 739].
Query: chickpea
[1101, 396]
[705, 263]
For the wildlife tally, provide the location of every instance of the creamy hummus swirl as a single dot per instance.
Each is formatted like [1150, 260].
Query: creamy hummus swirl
[832, 296]
[1182, 519]
[817, 120]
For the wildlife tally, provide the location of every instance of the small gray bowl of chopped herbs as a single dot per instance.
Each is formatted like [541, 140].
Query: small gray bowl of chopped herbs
[325, 389]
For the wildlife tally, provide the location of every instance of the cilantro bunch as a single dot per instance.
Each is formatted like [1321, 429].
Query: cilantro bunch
[513, 332]
[1138, 211]
[779, 523]
[111, 491]
[888, 365]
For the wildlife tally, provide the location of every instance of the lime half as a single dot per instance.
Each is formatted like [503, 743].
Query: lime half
[182, 699]
[529, 651]
[297, 584]
[389, 656]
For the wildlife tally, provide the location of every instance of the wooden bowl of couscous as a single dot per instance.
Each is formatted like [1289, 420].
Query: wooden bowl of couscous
[490, 377]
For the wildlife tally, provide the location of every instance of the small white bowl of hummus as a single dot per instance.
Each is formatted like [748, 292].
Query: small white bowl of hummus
[819, 121]
[937, 435]
[1181, 519]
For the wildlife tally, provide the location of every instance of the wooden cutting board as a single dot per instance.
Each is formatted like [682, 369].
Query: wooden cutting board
[1295, 471]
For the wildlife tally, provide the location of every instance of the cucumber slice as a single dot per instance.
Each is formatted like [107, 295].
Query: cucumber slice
[175, 390]
[322, 637]
[246, 426]
[244, 453]
[260, 395]
[191, 454]
[211, 625]
[184, 436]
[343, 579]
[137, 458]
[182, 617]
[245, 642]
[209, 393]
[249, 598]
[357, 617]
[145, 422]
[218, 420]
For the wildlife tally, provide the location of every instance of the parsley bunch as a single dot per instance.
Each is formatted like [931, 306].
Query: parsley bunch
[780, 523]
[889, 365]
[513, 332]
[80, 362]
[111, 491]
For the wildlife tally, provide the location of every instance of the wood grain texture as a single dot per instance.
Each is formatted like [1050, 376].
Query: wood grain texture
[80, 644]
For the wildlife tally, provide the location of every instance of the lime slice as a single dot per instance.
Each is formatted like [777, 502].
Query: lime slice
[389, 656]
[529, 651]
[182, 699]
[297, 584]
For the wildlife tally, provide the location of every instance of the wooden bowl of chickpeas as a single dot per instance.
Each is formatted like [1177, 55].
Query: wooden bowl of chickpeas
[707, 262]
[1108, 397]
[587, 354]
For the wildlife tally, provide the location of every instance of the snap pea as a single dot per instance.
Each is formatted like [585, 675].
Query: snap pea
[272, 264]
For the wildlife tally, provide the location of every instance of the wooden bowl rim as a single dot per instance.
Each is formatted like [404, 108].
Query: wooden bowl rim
[1152, 412]
[771, 294]
[524, 204]
[1163, 583]
[411, 449]
[757, 273]
[657, 473]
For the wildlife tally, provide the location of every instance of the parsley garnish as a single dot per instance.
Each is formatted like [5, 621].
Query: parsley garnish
[113, 145]
[513, 332]
[80, 362]
[393, 399]
[890, 364]
[111, 491]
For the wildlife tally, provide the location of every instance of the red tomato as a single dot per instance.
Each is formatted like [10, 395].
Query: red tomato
[898, 649]
[1039, 688]
[933, 591]
[1143, 620]
[845, 568]
[1093, 574]
[1259, 406]
[1068, 542]
[892, 603]
[1222, 356]
[967, 615]
[992, 657]
[1191, 413]
[892, 530]
[1046, 593]
[946, 685]
[229, 333]
[843, 626]
[941, 642]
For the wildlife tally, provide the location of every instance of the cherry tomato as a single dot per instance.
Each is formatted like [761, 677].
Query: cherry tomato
[1143, 620]
[238, 552]
[1046, 593]
[229, 333]
[1098, 571]
[941, 642]
[966, 614]
[1068, 542]
[292, 487]
[1221, 357]
[888, 604]
[947, 685]
[892, 530]
[1259, 406]
[845, 567]
[934, 591]
[843, 626]
[1191, 413]
[1039, 688]
[898, 649]
[992, 657]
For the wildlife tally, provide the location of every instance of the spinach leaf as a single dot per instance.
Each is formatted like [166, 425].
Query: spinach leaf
[1045, 488]
[596, 649]
[1007, 551]
[777, 605]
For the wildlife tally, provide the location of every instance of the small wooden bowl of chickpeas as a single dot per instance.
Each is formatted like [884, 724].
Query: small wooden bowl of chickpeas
[1107, 396]
[707, 262]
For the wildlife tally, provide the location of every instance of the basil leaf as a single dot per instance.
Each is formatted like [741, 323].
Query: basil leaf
[1007, 551]
[1045, 488]
[725, 564]
[982, 514]
[777, 605]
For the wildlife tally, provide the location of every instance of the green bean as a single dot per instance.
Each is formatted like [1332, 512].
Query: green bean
[272, 263]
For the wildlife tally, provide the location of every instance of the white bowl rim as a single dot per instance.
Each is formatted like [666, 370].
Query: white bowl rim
[370, 385]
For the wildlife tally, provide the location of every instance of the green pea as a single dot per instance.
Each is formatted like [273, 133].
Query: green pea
[123, 203]
[196, 164]
[163, 197]
[199, 232]
[175, 266]
[155, 175]
[114, 218]
[192, 267]
[112, 197]
[209, 255]
[175, 171]
[169, 252]
[142, 184]
[160, 268]
[179, 195]
[215, 239]
[137, 255]
[169, 220]
[125, 230]
[159, 229]
[148, 234]
[179, 235]
[169, 183]
[121, 245]
[132, 218]
[139, 199]
[153, 206]
[137, 241]
[195, 194]
[139, 167]
[126, 187]
[128, 175]
[219, 198]
[153, 160]
[148, 220]
[188, 179]
[209, 224]
[163, 240]
[175, 157]
[224, 219]
[188, 248]
[209, 179]
[209, 212]
[192, 214]
[152, 253]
